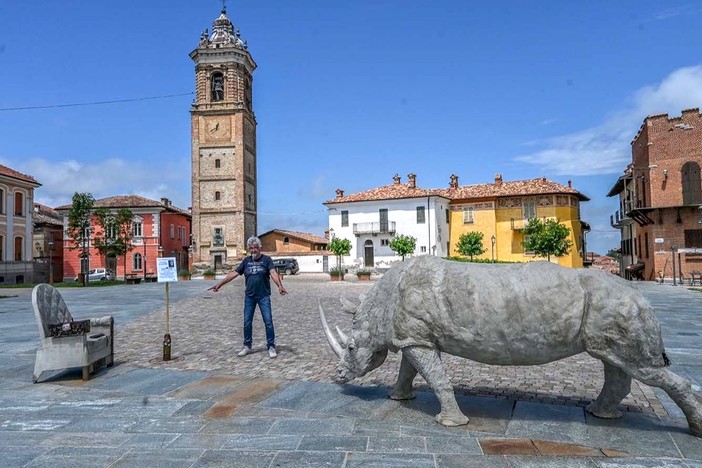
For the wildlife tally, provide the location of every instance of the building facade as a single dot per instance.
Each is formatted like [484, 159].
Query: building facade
[438, 217]
[16, 226]
[501, 210]
[370, 220]
[660, 195]
[308, 249]
[223, 146]
[47, 244]
[158, 229]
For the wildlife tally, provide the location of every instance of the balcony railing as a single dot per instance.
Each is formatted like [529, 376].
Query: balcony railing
[518, 224]
[374, 228]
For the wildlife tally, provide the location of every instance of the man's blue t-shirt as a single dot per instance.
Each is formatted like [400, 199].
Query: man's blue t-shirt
[257, 274]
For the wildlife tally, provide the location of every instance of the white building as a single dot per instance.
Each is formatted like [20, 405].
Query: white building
[372, 218]
[16, 227]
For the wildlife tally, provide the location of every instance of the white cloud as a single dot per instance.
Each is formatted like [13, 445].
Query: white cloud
[103, 178]
[605, 148]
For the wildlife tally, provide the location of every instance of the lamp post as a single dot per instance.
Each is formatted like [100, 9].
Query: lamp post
[493, 240]
[51, 259]
[673, 248]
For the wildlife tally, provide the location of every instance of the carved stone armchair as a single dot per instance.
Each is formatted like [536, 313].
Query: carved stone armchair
[66, 343]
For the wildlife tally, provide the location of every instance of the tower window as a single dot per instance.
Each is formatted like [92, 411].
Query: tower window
[217, 87]
[217, 195]
[218, 164]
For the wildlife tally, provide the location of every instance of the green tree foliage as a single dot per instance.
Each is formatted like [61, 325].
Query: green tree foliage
[614, 254]
[79, 220]
[546, 238]
[403, 245]
[339, 247]
[470, 244]
[114, 238]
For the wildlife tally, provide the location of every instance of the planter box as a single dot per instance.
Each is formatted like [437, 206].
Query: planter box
[184, 278]
[336, 277]
[364, 277]
[209, 277]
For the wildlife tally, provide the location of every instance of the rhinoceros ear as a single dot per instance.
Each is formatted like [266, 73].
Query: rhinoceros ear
[348, 306]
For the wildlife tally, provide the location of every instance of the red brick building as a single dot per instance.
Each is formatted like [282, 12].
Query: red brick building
[159, 229]
[660, 197]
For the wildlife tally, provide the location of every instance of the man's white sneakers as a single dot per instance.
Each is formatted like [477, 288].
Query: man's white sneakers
[244, 351]
[271, 352]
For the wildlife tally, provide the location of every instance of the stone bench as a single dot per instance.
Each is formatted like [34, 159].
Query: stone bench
[132, 279]
[66, 343]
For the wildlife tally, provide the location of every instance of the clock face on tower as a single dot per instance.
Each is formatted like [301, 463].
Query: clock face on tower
[217, 128]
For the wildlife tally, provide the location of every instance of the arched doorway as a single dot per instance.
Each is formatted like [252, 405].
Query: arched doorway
[368, 259]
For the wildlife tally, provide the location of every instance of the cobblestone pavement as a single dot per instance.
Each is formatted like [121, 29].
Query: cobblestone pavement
[206, 332]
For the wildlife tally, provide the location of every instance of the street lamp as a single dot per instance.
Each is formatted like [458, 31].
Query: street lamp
[493, 240]
[51, 259]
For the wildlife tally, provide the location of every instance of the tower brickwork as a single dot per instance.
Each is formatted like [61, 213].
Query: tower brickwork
[223, 140]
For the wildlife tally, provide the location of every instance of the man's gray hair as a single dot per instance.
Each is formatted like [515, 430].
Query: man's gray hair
[253, 240]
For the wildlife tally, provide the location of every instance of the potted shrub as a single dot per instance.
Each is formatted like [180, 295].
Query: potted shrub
[184, 275]
[363, 274]
[336, 274]
[209, 274]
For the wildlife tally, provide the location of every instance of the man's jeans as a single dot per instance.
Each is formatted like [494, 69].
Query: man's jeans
[264, 305]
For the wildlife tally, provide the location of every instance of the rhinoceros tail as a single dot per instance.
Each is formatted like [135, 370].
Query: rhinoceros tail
[666, 360]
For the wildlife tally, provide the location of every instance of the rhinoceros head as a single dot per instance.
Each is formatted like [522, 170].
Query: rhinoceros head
[357, 354]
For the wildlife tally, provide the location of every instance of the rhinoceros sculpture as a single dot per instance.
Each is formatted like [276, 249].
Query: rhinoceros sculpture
[522, 314]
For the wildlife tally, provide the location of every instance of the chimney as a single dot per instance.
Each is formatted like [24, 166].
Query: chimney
[165, 202]
[339, 193]
[326, 234]
[498, 180]
[454, 181]
[412, 180]
[570, 183]
[543, 180]
[396, 179]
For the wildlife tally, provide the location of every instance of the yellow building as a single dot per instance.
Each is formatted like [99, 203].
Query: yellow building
[501, 211]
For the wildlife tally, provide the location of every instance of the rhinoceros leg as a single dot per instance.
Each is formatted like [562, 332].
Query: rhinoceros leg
[403, 387]
[678, 389]
[428, 363]
[617, 385]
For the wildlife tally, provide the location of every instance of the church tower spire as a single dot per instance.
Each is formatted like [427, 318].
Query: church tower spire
[223, 142]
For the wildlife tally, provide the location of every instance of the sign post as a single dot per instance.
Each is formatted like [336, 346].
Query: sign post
[167, 273]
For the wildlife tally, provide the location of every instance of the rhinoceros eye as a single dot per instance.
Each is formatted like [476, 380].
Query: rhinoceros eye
[352, 345]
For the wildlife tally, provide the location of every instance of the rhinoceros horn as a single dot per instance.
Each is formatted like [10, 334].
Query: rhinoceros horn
[336, 347]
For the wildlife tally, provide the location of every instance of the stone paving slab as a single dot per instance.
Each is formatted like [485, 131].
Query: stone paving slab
[286, 411]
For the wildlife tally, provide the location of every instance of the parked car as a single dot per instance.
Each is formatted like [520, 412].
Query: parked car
[101, 274]
[287, 266]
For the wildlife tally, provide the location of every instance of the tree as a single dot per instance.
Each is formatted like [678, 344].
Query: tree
[403, 245]
[115, 237]
[546, 238]
[339, 247]
[79, 225]
[471, 243]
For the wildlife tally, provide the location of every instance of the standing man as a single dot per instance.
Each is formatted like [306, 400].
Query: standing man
[257, 269]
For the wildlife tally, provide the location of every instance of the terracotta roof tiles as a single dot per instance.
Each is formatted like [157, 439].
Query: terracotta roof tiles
[6, 171]
[130, 201]
[537, 186]
[313, 238]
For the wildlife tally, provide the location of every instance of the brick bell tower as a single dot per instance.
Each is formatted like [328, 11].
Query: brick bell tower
[223, 141]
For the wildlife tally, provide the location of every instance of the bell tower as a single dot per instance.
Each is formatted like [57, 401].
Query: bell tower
[223, 146]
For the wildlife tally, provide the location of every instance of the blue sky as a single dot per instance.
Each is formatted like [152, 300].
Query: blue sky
[347, 94]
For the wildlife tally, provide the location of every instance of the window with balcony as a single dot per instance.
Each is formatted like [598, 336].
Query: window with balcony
[421, 215]
[691, 185]
[384, 223]
[344, 218]
[468, 215]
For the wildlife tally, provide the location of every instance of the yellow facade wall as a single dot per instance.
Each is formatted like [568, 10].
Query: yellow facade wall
[504, 218]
